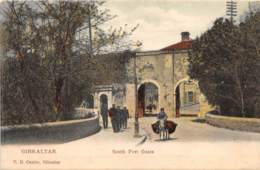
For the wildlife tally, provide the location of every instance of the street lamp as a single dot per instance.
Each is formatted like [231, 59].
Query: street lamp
[136, 134]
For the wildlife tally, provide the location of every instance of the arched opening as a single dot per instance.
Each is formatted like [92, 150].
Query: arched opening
[187, 98]
[103, 102]
[148, 99]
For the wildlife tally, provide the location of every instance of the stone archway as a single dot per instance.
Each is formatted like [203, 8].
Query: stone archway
[187, 98]
[148, 99]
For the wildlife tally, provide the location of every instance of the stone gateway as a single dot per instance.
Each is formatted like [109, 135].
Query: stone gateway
[162, 81]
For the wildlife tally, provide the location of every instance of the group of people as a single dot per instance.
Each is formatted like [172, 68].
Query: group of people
[117, 116]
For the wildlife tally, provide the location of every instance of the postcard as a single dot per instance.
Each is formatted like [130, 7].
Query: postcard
[130, 84]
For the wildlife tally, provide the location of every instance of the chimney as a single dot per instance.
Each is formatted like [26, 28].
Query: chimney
[185, 36]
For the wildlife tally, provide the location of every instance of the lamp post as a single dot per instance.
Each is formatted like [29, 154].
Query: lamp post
[136, 134]
[136, 124]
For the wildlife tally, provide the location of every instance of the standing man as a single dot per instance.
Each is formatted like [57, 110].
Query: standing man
[113, 118]
[119, 117]
[104, 114]
[162, 116]
[125, 117]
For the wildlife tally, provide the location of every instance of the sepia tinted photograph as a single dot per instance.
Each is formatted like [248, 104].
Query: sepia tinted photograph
[130, 84]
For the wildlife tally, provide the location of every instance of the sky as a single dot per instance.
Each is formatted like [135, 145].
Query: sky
[162, 21]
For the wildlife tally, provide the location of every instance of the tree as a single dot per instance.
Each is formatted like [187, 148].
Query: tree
[226, 63]
[46, 64]
[251, 45]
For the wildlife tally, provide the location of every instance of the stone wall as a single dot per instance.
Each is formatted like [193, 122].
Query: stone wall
[166, 70]
[103, 90]
[181, 66]
[115, 93]
[185, 88]
[82, 113]
[180, 71]
[130, 99]
[119, 95]
[156, 68]
[234, 123]
[51, 132]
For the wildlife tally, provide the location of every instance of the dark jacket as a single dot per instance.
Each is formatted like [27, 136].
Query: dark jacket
[162, 115]
[112, 113]
[125, 113]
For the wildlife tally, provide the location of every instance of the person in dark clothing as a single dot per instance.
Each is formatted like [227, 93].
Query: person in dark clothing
[113, 118]
[162, 116]
[125, 117]
[104, 114]
[119, 117]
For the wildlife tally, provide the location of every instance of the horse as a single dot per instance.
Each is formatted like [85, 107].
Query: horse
[163, 130]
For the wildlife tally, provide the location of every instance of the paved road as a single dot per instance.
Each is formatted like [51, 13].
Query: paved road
[107, 136]
[195, 145]
[189, 129]
[194, 129]
[190, 110]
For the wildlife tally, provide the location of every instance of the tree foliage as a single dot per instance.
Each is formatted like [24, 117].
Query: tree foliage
[46, 65]
[226, 62]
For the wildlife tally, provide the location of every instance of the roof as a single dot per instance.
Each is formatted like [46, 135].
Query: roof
[183, 45]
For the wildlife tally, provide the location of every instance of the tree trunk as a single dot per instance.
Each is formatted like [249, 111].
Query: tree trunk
[58, 98]
[241, 92]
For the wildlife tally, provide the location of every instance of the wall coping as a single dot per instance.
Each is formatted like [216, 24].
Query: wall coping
[46, 124]
[233, 118]
[158, 52]
[234, 123]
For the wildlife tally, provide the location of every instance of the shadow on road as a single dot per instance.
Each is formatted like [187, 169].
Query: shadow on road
[170, 139]
[198, 120]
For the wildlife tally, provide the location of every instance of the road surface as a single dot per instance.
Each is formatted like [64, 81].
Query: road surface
[194, 145]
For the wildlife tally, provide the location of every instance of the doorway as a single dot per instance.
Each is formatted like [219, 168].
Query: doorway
[148, 99]
[103, 102]
[187, 99]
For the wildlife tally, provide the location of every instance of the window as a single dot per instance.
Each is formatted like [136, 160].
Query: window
[190, 96]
